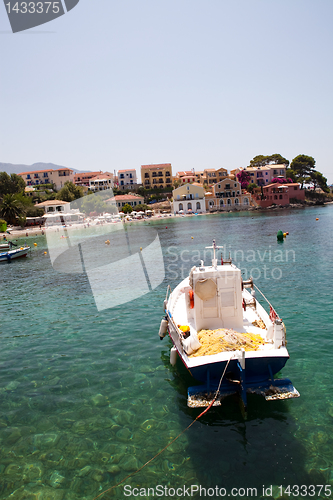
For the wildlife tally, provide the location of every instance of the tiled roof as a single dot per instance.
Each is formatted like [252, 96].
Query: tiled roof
[51, 202]
[125, 197]
[37, 171]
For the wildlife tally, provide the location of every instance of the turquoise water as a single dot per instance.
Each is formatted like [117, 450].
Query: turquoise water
[88, 397]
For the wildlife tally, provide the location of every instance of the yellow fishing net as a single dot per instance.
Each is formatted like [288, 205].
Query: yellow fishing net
[224, 339]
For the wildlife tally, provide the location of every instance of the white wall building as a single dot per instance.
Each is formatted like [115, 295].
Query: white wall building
[127, 177]
[189, 198]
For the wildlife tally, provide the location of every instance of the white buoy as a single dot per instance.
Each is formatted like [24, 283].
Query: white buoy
[163, 328]
[173, 356]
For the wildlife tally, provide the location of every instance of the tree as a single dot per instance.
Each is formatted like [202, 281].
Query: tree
[318, 180]
[94, 203]
[127, 209]
[275, 159]
[70, 192]
[11, 208]
[11, 184]
[244, 178]
[251, 187]
[302, 166]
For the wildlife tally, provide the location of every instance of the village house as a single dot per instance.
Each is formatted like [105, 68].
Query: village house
[186, 176]
[227, 195]
[132, 199]
[54, 206]
[156, 176]
[189, 198]
[127, 177]
[278, 194]
[83, 178]
[262, 176]
[210, 176]
[48, 176]
[101, 182]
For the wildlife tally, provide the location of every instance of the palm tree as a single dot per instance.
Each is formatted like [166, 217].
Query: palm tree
[10, 208]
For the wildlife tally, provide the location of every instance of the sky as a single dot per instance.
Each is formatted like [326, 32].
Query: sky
[196, 83]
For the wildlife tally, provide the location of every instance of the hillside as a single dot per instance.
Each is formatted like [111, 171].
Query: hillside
[11, 168]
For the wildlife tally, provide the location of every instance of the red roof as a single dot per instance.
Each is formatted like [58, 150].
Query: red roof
[127, 170]
[125, 197]
[37, 171]
[46, 170]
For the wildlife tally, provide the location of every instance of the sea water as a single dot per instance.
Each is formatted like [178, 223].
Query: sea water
[88, 397]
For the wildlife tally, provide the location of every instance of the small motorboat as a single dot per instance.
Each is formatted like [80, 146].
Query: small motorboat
[225, 337]
[14, 254]
[8, 245]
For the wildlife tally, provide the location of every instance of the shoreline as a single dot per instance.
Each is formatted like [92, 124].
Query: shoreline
[27, 232]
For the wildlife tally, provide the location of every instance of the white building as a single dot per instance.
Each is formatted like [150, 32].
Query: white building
[54, 206]
[189, 198]
[101, 182]
[127, 177]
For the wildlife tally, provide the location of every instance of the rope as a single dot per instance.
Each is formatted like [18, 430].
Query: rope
[175, 439]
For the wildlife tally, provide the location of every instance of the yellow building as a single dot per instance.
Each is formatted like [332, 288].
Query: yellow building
[210, 176]
[156, 176]
[227, 195]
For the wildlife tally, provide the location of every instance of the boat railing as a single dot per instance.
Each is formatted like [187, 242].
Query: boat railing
[273, 315]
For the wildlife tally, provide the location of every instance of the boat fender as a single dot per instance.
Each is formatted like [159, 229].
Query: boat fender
[173, 356]
[191, 295]
[163, 328]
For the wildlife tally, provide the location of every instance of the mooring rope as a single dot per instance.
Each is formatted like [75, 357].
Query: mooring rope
[175, 439]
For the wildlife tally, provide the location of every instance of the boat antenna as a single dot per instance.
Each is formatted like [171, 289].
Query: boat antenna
[214, 259]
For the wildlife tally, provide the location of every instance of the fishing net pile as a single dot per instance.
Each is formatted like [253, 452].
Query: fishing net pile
[226, 339]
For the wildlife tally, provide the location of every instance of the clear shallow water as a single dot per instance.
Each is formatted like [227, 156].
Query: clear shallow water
[86, 398]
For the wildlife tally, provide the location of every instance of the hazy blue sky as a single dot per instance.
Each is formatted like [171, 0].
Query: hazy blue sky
[198, 83]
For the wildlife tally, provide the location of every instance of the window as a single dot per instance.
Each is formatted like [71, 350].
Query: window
[221, 203]
[236, 201]
[28, 176]
[189, 206]
[229, 201]
[161, 186]
[167, 174]
[197, 195]
[246, 201]
[227, 186]
[121, 183]
[181, 206]
[146, 175]
[130, 176]
[178, 197]
[198, 205]
[121, 176]
[46, 174]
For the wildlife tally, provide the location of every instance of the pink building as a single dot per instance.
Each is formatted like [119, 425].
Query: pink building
[278, 194]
